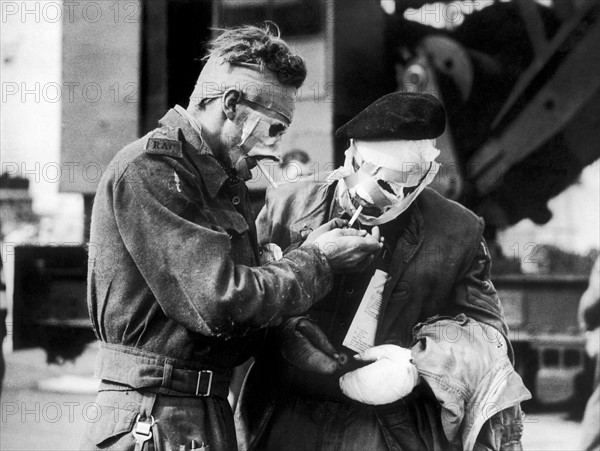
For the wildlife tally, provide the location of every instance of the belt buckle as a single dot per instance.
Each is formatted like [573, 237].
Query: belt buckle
[142, 431]
[210, 378]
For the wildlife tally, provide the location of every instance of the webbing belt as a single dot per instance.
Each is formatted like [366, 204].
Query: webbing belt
[144, 370]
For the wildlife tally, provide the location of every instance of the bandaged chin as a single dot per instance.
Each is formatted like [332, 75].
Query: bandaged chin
[385, 177]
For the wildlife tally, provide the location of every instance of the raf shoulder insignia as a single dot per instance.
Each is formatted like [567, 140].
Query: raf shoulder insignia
[164, 141]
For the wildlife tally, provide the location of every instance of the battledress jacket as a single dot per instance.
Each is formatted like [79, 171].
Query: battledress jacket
[440, 269]
[173, 276]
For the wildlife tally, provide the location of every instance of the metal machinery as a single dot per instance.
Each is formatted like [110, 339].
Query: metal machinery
[520, 83]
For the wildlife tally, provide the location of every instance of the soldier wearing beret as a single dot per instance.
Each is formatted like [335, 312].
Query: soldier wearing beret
[411, 353]
[175, 292]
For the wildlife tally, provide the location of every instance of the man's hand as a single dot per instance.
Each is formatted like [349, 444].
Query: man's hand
[389, 378]
[305, 346]
[345, 249]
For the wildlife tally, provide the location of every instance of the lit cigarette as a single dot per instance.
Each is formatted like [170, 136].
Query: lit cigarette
[355, 216]
[266, 174]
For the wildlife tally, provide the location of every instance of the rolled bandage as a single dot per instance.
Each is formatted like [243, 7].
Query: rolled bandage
[389, 378]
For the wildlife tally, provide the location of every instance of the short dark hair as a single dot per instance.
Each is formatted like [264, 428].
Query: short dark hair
[262, 46]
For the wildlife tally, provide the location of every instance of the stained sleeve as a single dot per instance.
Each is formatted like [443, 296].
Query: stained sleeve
[187, 264]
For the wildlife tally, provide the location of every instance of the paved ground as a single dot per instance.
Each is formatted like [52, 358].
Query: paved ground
[35, 418]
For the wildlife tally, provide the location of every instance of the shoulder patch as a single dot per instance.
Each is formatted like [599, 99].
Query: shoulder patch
[164, 141]
[163, 146]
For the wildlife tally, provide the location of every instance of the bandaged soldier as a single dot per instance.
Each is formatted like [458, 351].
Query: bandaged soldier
[411, 353]
[175, 294]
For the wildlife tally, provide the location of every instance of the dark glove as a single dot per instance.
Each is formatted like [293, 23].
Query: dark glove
[305, 346]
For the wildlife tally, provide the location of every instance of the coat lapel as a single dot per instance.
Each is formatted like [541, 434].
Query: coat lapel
[409, 243]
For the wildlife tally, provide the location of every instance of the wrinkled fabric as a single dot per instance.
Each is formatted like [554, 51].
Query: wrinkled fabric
[320, 424]
[440, 266]
[466, 365]
[172, 251]
[204, 421]
[173, 271]
[502, 431]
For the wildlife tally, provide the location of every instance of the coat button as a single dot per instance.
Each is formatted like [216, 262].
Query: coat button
[235, 200]
[350, 291]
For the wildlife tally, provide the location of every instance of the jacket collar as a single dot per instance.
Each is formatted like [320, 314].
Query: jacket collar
[213, 175]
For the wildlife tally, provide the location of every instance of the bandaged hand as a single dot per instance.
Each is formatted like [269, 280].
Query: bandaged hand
[389, 378]
[305, 346]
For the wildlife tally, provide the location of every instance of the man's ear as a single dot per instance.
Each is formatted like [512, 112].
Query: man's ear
[231, 99]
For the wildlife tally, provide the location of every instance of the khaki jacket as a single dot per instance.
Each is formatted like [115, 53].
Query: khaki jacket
[441, 266]
[173, 255]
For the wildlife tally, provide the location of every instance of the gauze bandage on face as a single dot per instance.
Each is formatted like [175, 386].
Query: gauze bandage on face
[258, 130]
[259, 87]
[385, 177]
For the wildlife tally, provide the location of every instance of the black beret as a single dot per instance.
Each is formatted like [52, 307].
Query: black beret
[399, 115]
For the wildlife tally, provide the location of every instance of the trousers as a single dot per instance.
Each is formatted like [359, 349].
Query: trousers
[301, 424]
[180, 423]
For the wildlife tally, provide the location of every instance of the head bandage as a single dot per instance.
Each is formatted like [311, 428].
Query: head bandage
[259, 128]
[388, 175]
[399, 155]
[256, 128]
[258, 84]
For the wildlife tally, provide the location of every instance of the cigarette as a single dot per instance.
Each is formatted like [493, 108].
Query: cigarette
[355, 216]
[266, 174]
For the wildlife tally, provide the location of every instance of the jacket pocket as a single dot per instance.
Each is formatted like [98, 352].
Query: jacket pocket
[116, 412]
